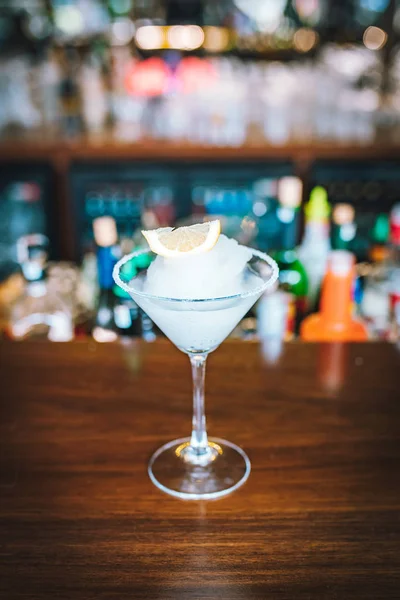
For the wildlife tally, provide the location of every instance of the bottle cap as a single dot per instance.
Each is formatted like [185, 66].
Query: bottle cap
[340, 262]
[318, 208]
[378, 254]
[290, 190]
[105, 231]
[395, 224]
[32, 253]
[343, 214]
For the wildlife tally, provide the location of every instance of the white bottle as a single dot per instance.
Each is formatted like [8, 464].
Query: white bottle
[50, 81]
[315, 247]
[93, 93]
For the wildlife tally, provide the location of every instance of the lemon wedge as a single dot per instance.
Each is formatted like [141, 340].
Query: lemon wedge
[195, 239]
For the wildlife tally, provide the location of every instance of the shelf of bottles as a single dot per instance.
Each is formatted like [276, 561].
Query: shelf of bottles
[175, 71]
[342, 207]
[163, 195]
[91, 78]
[217, 102]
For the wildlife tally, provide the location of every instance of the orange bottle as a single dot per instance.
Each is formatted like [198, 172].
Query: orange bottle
[334, 322]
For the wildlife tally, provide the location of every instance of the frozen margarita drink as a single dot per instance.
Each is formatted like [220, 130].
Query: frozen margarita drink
[192, 264]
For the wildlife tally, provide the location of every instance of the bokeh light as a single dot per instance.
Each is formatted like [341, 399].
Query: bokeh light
[195, 73]
[374, 38]
[150, 37]
[122, 31]
[216, 39]
[148, 78]
[305, 39]
[343, 213]
[69, 19]
[185, 37]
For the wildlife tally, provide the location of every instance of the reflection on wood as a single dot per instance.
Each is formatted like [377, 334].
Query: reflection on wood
[318, 517]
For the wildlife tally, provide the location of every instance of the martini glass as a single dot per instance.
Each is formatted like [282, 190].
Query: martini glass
[198, 467]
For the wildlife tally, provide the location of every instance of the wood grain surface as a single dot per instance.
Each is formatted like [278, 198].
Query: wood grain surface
[318, 518]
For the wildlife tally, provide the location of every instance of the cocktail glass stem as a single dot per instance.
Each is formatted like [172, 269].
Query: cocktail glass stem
[199, 449]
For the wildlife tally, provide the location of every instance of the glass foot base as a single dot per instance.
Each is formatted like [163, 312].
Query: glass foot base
[174, 470]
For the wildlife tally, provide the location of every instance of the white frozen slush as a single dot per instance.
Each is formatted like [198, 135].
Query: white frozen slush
[219, 273]
[212, 274]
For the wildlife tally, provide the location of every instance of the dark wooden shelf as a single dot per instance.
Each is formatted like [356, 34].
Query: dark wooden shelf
[105, 147]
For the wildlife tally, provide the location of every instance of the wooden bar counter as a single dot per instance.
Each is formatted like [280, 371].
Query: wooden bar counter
[318, 518]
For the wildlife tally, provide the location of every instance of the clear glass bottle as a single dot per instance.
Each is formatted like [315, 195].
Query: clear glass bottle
[40, 310]
[105, 233]
[292, 274]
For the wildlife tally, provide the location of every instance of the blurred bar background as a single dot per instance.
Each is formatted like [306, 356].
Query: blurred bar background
[281, 117]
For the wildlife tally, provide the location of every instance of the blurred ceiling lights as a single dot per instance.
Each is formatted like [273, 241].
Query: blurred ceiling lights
[266, 14]
[185, 37]
[216, 39]
[182, 37]
[305, 39]
[150, 37]
[374, 38]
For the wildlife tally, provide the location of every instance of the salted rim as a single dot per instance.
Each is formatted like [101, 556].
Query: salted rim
[261, 288]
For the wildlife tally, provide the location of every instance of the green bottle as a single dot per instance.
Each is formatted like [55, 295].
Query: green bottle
[292, 274]
[379, 248]
[315, 246]
[343, 227]
[380, 231]
[293, 278]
